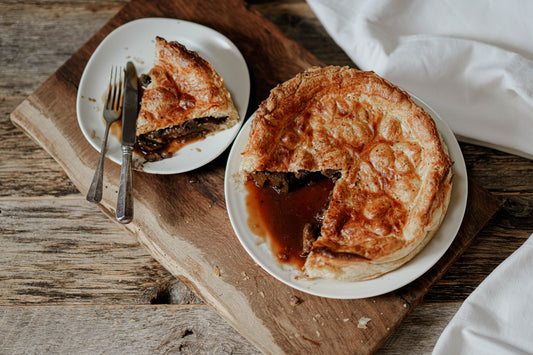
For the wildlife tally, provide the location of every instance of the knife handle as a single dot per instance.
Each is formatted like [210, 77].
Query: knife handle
[124, 211]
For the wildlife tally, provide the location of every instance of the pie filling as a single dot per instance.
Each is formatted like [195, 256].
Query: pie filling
[162, 143]
[287, 209]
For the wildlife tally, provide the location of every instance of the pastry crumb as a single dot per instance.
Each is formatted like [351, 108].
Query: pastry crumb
[363, 321]
[217, 271]
[295, 300]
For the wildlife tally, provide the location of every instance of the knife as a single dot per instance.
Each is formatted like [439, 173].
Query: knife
[124, 211]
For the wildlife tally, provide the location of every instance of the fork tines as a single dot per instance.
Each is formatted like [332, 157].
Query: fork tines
[115, 92]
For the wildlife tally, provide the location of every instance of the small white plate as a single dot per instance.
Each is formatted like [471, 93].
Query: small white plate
[135, 41]
[260, 251]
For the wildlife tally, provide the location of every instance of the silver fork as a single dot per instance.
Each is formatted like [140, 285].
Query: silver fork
[112, 112]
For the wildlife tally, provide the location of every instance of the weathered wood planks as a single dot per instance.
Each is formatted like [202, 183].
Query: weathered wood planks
[27, 174]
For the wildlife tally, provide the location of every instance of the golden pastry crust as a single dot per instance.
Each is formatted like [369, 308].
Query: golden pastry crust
[183, 87]
[395, 182]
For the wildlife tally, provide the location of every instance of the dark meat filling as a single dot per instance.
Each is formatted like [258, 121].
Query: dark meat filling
[283, 183]
[152, 144]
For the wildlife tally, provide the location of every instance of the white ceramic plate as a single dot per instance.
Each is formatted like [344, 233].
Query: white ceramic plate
[260, 251]
[135, 41]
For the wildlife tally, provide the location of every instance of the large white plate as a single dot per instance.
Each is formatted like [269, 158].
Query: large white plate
[135, 41]
[260, 251]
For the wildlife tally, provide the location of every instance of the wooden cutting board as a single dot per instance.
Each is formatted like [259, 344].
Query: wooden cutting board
[182, 219]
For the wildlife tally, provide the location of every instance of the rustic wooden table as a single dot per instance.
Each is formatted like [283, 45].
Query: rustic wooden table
[72, 280]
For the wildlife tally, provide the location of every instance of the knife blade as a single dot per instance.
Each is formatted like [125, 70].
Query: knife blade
[130, 106]
[124, 212]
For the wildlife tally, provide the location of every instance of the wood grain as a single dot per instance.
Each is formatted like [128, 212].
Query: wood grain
[410, 338]
[118, 330]
[88, 262]
[29, 175]
[163, 329]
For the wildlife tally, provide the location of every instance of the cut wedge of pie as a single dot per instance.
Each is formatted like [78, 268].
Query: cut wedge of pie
[390, 168]
[185, 99]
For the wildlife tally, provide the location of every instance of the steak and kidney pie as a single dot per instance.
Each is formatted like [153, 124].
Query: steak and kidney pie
[389, 171]
[184, 99]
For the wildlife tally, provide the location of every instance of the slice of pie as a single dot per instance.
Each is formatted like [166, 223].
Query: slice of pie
[185, 99]
[392, 172]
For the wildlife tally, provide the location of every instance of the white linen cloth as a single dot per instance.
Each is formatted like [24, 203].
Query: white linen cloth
[471, 61]
[497, 318]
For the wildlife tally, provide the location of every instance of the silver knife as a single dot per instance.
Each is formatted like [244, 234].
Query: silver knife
[124, 211]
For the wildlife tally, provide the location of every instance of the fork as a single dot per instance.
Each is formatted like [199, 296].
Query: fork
[112, 112]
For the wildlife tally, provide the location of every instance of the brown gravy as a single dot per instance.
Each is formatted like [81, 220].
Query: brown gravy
[280, 217]
[171, 148]
[116, 129]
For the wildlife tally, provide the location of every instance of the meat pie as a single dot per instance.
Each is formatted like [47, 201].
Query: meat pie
[392, 172]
